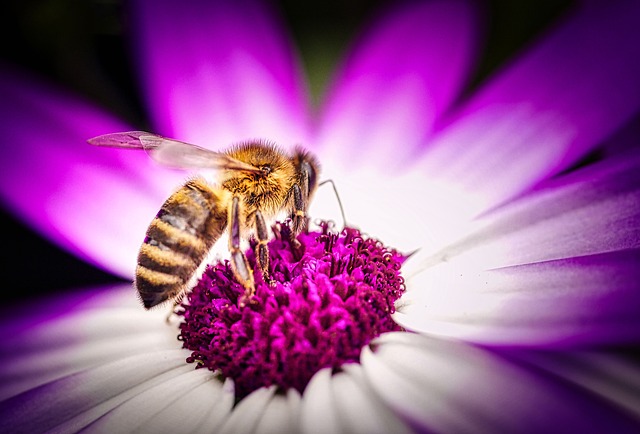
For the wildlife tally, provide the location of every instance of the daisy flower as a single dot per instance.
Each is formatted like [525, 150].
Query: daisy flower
[501, 297]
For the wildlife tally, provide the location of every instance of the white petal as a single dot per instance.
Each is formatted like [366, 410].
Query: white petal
[98, 326]
[74, 401]
[247, 414]
[318, 413]
[590, 300]
[345, 403]
[281, 415]
[591, 211]
[359, 408]
[447, 387]
[179, 404]
[558, 266]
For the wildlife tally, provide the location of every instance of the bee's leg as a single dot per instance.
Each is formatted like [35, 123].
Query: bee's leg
[241, 268]
[176, 302]
[299, 216]
[262, 250]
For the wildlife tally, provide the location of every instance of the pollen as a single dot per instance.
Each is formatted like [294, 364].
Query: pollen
[331, 294]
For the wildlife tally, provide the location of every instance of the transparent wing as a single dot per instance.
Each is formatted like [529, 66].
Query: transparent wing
[130, 139]
[172, 153]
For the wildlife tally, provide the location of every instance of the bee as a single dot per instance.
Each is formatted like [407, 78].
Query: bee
[256, 182]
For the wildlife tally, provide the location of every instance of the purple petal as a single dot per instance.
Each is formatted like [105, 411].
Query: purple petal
[216, 73]
[609, 375]
[441, 386]
[546, 110]
[72, 402]
[583, 301]
[594, 210]
[96, 358]
[399, 80]
[558, 267]
[94, 202]
[41, 345]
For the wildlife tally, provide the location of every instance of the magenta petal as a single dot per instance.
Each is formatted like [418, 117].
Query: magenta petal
[401, 77]
[217, 73]
[95, 202]
[566, 95]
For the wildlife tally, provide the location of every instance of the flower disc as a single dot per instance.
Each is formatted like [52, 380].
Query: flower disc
[330, 295]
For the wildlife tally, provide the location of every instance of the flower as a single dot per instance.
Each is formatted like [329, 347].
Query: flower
[330, 295]
[524, 290]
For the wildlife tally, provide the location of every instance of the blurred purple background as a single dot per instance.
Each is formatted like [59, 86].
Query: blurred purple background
[83, 46]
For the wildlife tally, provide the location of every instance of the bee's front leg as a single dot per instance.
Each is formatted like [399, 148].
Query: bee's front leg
[241, 268]
[262, 250]
[299, 216]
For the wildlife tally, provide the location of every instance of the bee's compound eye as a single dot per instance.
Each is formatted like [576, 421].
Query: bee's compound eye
[313, 176]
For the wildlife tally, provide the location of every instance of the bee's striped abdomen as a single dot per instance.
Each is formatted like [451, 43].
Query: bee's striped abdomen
[178, 240]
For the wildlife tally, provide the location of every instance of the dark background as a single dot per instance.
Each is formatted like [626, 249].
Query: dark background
[82, 45]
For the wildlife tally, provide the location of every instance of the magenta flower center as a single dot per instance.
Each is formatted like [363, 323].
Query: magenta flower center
[332, 294]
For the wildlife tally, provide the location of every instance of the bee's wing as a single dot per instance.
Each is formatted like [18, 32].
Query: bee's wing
[172, 153]
[129, 139]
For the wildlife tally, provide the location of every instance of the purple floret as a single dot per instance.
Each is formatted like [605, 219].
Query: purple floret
[331, 295]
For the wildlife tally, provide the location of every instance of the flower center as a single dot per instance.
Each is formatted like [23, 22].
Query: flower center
[330, 295]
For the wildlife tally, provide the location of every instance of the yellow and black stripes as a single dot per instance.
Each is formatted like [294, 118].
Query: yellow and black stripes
[177, 241]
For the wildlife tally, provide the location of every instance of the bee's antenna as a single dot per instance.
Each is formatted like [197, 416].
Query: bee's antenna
[335, 190]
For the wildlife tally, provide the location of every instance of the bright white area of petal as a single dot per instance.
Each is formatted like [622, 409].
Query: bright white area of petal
[281, 415]
[605, 225]
[443, 386]
[345, 403]
[438, 196]
[359, 408]
[407, 210]
[23, 371]
[414, 394]
[247, 414]
[318, 413]
[494, 153]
